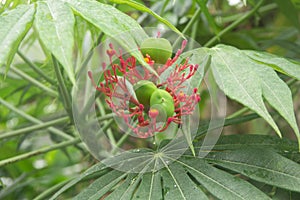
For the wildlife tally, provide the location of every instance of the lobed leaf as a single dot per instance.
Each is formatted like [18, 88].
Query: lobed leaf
[178, 185]
[117, 25]
[283, 65]
[14, 25]
[150, 187]
[278, 94]
[219, 183]
[101, 186]
[262, 165]
[234, 75]
[188, 177]
[55, 23]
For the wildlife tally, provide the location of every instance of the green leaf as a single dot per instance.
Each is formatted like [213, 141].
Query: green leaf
[234, 75]
[232, 142]
[208, 16]
[125, 191]
[14, 25]
[143, 8]
[285, 66]
[278, 94]
[178, 185]
[221, 184]
[163, 175]
[113, 23]
[89, 172]
[296, 3]
[289, 10]
[101, 186]
[55, 23]
[262, 165]
[150, 187]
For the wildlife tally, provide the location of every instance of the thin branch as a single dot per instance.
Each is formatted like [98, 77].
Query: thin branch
[63, 88]
[34, 81]
[34, 120]
[234, 24]
[33, 128]
[36, 68]
[39, 151]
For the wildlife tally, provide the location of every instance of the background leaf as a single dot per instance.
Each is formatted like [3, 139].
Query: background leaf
[283, 65]
[278, 94]
[289, 10]
[262, 165]
[14, 25]
[234, 75]
[143, 8]
[55, 23]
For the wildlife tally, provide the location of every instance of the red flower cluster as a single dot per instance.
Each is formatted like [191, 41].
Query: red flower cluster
[117, 86]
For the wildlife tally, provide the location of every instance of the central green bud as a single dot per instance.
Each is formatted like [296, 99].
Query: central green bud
[143, 91]
[159, 49]
[164, 103]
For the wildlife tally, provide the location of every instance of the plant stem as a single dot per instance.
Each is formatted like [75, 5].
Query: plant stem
[164, 7]
[34, 81]
[261, 10]
[39, 151]
[34, 120]
[51, 190]
[109, 132]
[121, 141]
[90, 54]
[209, 18]
[202, 130]
[63, 88]
[234, 24]
[33, 128]
[189, 25]
[238, 113]
[81, 70]
[36, 68]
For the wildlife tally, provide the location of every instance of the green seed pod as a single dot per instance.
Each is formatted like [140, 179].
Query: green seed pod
[164, 103]
[159, 49]
[143, 91]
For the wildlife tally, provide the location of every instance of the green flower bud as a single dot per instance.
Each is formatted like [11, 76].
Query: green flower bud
[143, 91]
[164, 103]
[159, 49]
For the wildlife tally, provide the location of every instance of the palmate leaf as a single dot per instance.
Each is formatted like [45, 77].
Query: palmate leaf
[54, 23]
[113, 23]
[282, 65]
[262, 165]
[192, 177]
[278, 94]
[246, 77]
[14, 25]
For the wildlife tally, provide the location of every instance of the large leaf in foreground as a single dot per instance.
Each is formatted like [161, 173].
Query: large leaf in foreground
[189, 177]
[262, 165]
[55, 23]
[235, 75]
[14, 25]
